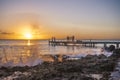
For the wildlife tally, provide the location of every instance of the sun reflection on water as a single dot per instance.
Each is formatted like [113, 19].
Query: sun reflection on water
[28, 43]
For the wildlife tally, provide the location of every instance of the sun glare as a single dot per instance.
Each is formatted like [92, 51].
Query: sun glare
[28, 36]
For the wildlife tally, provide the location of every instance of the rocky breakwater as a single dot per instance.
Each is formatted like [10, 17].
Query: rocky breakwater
[115, 75]
[91, 67]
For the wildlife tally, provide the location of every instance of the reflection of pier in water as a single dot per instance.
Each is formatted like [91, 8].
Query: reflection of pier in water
[85, 43]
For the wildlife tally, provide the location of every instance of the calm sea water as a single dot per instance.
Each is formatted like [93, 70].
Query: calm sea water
[29, 52]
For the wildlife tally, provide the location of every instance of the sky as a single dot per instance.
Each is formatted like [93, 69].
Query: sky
[85, 19]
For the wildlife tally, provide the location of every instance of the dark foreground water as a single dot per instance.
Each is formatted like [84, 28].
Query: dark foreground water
[31, 52]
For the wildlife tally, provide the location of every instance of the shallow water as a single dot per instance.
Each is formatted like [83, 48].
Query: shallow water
[26, 52]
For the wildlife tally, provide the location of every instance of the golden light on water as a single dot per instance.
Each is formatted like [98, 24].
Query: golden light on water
[28, 43]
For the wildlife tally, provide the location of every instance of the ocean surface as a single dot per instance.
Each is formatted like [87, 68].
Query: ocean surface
[33, 52]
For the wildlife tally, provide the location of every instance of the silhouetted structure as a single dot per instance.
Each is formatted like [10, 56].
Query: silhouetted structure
[85, 43]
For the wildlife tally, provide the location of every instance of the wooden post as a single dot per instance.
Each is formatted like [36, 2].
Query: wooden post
[65, 44]
[68, 38]
[73, 38]
[90, 44]
[93, 44]
[49, 41]
[105, 45]
[117, 45]
[54, 39]
[85, 45]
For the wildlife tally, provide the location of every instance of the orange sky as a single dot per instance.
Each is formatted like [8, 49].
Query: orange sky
[44, 19]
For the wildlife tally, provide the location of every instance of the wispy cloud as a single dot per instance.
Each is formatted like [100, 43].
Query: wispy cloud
[6, 33]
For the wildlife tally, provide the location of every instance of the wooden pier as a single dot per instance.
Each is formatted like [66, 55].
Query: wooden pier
[85, 43]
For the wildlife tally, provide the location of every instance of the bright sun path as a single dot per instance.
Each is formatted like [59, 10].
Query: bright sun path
[28, 36]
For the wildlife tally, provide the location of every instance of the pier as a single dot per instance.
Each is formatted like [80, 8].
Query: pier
[86, 43]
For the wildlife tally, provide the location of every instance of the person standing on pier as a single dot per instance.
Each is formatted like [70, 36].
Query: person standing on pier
[73, 38]
[68, 38]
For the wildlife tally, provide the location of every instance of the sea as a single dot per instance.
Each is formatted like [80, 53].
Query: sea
[33, 52]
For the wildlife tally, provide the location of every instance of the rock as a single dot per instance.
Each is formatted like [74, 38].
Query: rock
[91, 57]
[66, 70]
[115, 75]
[55, 58]
[96, 76]
[86, 78]
[64, 57]
[69, 68]
[3, 73]
[111, 48]
[116, 53]
[102, 56]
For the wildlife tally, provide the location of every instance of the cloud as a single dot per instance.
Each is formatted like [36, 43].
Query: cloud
[35, 28]
[6, 33]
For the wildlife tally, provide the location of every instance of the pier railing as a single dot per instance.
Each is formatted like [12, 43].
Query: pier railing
[88, 43]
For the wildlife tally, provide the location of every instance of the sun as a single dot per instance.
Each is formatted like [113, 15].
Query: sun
[28, 36]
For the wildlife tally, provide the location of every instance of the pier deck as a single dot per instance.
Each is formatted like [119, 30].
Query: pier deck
[90, 43]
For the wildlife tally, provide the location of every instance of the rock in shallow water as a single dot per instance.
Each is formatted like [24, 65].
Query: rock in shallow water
[16, 76]
[115, 75]
[66, 70]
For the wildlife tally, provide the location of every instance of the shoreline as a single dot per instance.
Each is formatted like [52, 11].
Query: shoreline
[91, 67]
[53, 58]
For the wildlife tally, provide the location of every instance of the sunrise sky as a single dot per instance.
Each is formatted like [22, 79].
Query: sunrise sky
[42, 19]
